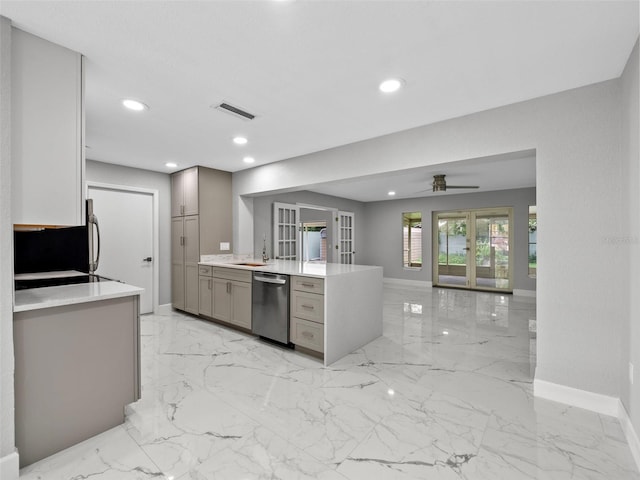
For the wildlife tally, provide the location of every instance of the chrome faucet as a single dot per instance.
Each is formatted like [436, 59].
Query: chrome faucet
[265, 257]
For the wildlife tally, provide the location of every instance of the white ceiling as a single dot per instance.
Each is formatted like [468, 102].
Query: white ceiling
[500, 172]
[309, 70]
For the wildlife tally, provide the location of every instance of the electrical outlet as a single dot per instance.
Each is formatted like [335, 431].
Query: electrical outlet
[225, 246]
[631, 373]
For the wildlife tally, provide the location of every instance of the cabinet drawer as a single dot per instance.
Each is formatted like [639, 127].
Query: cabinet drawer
[205, 270]
[309, 306]
[232, 274]
[307, 334]
[308, 284]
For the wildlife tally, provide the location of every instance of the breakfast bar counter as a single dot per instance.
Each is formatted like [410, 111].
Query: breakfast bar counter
[335, 308]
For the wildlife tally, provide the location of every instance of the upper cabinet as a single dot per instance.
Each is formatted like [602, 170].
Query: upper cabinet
[184, 192]
[47, 132]
[205, 192]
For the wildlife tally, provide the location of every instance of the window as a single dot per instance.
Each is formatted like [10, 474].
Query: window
[533, 240]
[412, 239]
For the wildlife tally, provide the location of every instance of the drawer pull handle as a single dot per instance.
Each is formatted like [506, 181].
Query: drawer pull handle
[308, 307]
[308, 335]
[310, 285]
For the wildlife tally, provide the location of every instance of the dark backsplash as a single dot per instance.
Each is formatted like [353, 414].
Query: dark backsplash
[51, 250]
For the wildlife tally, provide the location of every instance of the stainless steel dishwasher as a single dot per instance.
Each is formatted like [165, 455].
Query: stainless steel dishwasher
[270, 306]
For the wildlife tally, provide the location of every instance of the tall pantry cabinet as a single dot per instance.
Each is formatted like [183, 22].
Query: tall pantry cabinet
[200, 224]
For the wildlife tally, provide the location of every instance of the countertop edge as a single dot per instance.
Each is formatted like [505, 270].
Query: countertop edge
[117, 290]
[291, 267]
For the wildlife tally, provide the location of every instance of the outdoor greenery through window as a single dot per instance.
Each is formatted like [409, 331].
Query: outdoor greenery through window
[452, 241]
[412, 239]
[533, 240]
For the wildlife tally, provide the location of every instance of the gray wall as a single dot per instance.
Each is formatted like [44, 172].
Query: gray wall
[577, 139]
[134, 177]
[630, 345]
[263, 216]
[383, 230]
[7, 432]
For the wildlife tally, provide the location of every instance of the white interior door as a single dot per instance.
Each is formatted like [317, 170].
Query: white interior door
[126, 238]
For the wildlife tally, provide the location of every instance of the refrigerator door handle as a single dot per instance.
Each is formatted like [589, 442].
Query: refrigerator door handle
[94, 264]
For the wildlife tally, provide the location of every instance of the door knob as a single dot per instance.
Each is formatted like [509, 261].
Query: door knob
[148, 259]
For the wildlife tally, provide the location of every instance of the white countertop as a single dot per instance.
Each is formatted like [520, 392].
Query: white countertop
[294, 267]
[46, 297]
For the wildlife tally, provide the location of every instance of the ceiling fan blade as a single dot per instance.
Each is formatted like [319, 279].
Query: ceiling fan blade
[462, 186]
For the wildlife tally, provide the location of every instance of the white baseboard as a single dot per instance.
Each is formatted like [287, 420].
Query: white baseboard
[164, 309]
[630, 433]
[595, 402]
[524, 293]
[10, 466]
[401, 282]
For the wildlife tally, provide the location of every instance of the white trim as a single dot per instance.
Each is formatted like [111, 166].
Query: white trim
[595, 402]
[524, 293]
[156, 227]
[10, 466]
[164, 309]
[630, 433]
[401, 282]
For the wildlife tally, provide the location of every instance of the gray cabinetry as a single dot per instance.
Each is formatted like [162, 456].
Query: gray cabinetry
[184, 263]
[205, 300]
[307, 313]
[232, 296]
[201, 221]
[184, 192]
[76, 367]
[47, 132]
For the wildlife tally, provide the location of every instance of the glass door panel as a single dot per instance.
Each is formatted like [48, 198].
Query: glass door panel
[285, 231]
[346, 246]
[473, 249]
[453, 251]
[492, 251]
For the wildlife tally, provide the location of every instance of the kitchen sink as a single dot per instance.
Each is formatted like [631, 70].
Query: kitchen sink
[250, 264]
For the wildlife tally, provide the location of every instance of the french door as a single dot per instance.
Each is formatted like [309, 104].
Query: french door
[285, 231]
[288, 230]
[472, 249]
[346, 238]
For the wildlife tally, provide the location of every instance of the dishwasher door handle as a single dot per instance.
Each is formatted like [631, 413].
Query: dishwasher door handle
[278, 281]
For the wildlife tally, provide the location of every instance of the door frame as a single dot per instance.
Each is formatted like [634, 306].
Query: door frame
[155, 265]
[336, 213]
[471, 214]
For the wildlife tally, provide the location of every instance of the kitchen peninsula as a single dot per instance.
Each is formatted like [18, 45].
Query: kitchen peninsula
[334, 308]
[77, 363]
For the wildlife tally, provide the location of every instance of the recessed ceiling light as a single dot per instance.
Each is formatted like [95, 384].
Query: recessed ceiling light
[391, 85]
[240, 140]
[134, 105]
[391, 193]
[171, 165]
[249, 159]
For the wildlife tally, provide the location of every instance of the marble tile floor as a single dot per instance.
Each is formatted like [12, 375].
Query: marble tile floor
[445, 393]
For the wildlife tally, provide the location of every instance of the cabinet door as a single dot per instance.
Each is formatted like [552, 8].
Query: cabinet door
[241, 307]
[47, 132]
[190, 186]
[177, 194]
[222, 299]
[191, 259]
[205, 299]
[177, 262]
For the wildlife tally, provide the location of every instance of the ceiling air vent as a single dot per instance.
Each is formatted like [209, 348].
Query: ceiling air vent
[238, 112]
